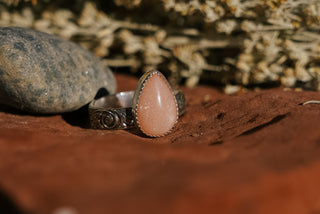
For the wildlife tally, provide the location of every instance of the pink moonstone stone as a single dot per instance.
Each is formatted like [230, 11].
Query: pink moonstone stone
[157, 111]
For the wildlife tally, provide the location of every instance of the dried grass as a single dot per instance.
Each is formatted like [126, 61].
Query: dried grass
[227, 42]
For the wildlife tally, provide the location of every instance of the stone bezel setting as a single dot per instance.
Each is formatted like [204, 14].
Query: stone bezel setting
[136, 98]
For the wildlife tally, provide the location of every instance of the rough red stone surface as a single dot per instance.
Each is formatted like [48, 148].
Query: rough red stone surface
[257, 152]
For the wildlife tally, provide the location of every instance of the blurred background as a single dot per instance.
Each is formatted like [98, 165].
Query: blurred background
[227, 43]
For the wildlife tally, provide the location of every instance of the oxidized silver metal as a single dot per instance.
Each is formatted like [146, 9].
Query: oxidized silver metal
[118, 111]
[115, 111]
[112, 111]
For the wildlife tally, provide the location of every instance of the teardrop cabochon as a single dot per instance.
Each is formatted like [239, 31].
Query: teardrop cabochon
[155, 107]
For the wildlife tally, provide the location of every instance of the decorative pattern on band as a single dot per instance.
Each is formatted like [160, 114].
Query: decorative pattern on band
[111, 118]
[110, 114]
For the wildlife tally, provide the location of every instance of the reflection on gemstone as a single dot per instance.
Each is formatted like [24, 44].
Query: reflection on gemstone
[156, 109]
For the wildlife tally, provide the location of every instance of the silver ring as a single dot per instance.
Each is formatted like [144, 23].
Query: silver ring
[153, 107]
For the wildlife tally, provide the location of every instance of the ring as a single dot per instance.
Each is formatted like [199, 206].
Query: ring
[153, 107]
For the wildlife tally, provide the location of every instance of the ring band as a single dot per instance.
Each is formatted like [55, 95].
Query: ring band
[120, 111]
[115, 111]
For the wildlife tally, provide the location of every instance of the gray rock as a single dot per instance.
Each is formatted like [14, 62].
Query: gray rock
[43, 73]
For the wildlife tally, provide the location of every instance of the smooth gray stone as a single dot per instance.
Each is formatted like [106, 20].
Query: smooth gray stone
[43, 73]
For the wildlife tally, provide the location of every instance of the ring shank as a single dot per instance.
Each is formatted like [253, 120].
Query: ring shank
[115, 111]
[114, 101]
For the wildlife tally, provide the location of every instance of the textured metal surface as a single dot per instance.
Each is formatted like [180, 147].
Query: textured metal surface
[111, 118]
[115, 111]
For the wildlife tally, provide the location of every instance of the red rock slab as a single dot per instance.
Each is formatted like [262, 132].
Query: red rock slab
[257, 152]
